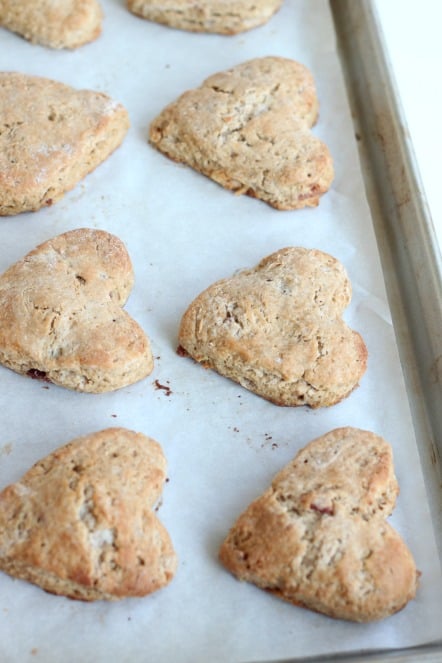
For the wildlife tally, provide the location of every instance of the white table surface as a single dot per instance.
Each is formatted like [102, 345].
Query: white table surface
[414, 42]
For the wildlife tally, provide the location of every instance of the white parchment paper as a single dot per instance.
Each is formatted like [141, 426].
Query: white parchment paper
[223, 444]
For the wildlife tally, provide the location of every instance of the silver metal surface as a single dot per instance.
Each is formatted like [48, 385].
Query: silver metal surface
[429, 653]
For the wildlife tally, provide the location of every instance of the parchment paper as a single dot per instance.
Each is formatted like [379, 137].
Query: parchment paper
[223, 444]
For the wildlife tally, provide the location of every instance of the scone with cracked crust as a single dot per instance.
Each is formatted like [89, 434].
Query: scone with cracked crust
[80, 522]
[249, 130]
[227, 17]
[59, 24]
[277, 329]
[51, 137]
[318, 536]
[61, 315]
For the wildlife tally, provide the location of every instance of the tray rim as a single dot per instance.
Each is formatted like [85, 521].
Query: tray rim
[410, 256]
[404, 228]
[427, 653]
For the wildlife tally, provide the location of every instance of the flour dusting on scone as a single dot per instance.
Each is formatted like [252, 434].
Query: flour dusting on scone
[61, 315]
[56, 24]
[249, 130]
[318, 537]
[226, 17]
[46, 151]
[81, 522]
[277, 329]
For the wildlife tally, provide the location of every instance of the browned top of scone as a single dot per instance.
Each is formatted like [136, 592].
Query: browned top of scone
[62, 316]
[278, 330]
[51, 136]
[248, 128]
[80, 522]
[318, 536]
[61, 24]
[226, 17]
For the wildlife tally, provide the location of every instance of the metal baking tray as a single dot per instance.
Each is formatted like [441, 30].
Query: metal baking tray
[410, 254]
[179, 228]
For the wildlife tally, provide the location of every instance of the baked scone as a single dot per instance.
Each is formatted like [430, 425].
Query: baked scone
[80, 522]
[277, 329]
[56, 24]
[318, 536]
[51, 137]
[248, 129]
[61, 315]
[226, 17]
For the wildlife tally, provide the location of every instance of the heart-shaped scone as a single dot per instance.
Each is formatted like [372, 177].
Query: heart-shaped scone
[61, 316]
[80, 522]
[60, 24]
[277, 329]
[51, 137]
[318, 536]
[248, 129]
[220, 16]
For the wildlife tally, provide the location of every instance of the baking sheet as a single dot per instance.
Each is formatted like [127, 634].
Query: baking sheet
[406, 235]
[222, 443]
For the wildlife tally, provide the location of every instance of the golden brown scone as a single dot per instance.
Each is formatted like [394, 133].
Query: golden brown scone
[277, 329]
[61, 316]
[59, 24]
[318, 536]
[80, 522]
[51, 137]
[248, 129]
[226, 17]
